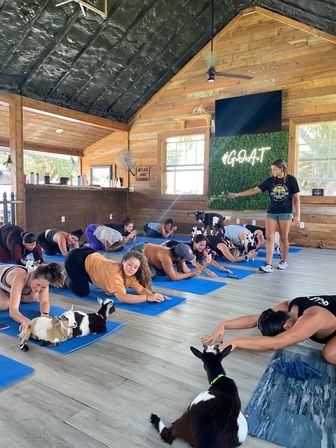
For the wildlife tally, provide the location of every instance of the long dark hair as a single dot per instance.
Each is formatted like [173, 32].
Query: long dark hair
[52, 272]
[143, 274]
[282, 165]
[271, 322]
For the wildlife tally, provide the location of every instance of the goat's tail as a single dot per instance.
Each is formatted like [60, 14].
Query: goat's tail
[24, 337]
[165, 433]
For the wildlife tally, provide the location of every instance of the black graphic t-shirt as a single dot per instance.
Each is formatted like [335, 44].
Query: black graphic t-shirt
[280, 193]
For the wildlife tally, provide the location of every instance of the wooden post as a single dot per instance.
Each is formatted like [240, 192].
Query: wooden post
[16, 154]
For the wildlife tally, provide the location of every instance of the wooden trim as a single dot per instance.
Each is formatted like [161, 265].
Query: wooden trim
[72, 115]
[161, 148]
[293, 23]
[96, 10]
[183, 119]
[292, 152]
[45, 148]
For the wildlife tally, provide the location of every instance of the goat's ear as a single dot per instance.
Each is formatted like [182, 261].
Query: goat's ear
[196, 352]
[226, 351]
[99, 300]
[71, 308]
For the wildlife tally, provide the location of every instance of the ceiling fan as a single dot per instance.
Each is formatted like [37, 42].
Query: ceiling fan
[211, 58]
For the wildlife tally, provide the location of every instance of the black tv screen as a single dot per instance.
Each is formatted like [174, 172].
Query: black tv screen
[250, 114]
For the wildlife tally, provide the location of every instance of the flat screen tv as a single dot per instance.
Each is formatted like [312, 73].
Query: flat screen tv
[250, 114]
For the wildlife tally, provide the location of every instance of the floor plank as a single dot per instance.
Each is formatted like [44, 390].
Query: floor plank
[102, 395]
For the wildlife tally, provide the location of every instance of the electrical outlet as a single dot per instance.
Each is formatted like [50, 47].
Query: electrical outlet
[131, 189]
[302, 225]
[111, 216]
[62, 218]
[254, 222]
[237, 221]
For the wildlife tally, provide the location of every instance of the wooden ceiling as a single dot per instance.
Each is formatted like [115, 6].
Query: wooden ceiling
[112, 67]
[52, 129]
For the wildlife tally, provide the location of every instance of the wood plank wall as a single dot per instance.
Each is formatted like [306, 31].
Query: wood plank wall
[278, 56]
[45, 204]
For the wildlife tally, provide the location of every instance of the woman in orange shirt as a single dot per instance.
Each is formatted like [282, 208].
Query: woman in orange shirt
[86, 266]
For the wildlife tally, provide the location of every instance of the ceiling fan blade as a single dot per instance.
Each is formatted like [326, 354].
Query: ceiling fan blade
[210, 59]
[232, 75]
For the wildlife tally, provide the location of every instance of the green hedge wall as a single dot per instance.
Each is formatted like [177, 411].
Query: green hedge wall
[225, 178]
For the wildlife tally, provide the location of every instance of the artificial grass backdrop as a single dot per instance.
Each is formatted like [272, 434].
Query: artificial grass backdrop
[234, 176]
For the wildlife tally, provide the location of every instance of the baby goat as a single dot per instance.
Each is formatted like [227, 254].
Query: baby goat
[93, 322]
[214, 418]
[48, 330]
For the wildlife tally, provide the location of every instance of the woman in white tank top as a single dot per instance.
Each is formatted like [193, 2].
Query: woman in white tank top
[18, 284]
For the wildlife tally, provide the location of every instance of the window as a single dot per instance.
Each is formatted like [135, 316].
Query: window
[316, 157]
[54, 165]
[184, 164]
[101, 175]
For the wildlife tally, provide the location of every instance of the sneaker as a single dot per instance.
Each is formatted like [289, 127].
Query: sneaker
[282, 265]
[266, 268]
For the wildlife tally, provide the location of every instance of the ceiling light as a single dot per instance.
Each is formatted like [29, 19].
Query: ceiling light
[59, 131]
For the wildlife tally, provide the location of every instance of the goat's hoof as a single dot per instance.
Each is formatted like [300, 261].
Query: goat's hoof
[24, 347]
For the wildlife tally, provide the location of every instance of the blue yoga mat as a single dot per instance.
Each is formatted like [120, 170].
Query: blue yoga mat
[32, 310]
[249, 264]
[295, 413]
[148, 308]
[12, 371]
[194, 285]
[291, 250]
[57, 257]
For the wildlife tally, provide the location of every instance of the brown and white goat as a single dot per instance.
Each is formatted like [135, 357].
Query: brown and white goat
[214, 418]
[49, 330]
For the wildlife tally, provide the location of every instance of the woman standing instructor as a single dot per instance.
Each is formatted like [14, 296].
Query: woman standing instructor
[283, 189]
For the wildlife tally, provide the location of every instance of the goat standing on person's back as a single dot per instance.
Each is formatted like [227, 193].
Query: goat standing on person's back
[214, 418]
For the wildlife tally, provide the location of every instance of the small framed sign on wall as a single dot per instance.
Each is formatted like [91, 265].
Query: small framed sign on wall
[142, 173]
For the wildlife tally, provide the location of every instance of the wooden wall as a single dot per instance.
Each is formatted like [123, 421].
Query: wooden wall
[280, 54]
[45, 204]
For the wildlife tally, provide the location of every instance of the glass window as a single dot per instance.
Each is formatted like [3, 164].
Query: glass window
[101, 175]
[316, 161]
[184, 164]
[53, 165]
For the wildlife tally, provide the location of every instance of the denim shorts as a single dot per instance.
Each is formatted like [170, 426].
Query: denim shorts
[280, 216]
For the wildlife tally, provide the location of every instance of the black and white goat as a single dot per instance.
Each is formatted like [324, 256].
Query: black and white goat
[91, 323]
[48, 330]
[209, 220]
[214, 418]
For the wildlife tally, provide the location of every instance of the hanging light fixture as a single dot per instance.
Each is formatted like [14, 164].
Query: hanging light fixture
[97, 6]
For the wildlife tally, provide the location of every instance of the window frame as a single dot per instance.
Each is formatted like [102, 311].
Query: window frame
[93, 167]
[162, 158]
[294, 124]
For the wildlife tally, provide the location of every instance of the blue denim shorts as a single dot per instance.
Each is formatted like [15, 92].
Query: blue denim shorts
[280, 216]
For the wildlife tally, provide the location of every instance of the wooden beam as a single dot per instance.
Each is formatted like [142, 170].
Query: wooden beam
[16, 154]
[72, 115]
[45, 148]
[298, 25]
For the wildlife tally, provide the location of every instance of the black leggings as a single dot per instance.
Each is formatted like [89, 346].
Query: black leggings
[78, 280]
[151, 233]
[49, 248]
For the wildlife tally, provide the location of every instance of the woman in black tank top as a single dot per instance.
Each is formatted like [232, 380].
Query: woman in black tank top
[289, 322]
[18, 285]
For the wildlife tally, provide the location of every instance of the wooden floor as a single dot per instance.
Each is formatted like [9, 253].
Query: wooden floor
[102, 395]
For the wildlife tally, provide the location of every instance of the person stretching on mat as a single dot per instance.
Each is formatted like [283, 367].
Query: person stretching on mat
[289, 322]
[55, 241]
[204, 255]
[283, 189]
[101, 237]
[226, 249]
[16, 245]
[18, 284]
[169, 261]
[157, 230]
[85, 266]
